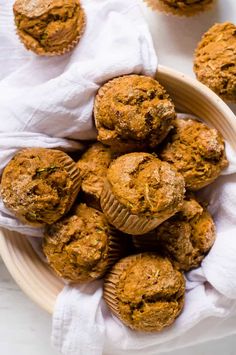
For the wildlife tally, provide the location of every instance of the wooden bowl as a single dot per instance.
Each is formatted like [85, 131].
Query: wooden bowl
[31, 274]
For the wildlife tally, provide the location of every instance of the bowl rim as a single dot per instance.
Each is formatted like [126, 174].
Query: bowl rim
[6, 251]
[202, 89]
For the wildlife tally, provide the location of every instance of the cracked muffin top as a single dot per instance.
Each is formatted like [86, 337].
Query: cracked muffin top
[49, 26]
[82, 246]
[215, 60]
[144, 184]
[185, 238]
[93, 167]
[39, 185]
[145, 291]
[196, 151]
[133, 112]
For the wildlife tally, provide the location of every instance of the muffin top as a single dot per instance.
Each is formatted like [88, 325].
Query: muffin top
[48, 25]
[144, 184]
[39, 185]
[215, 60]
[185, 238]
[149, 292]
[37, 8]
[181, 7]
[196, 151]
[133, 112]
[185, 4]
[93, 167]
[80, 247]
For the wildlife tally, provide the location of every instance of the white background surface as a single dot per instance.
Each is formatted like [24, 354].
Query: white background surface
[25, 328]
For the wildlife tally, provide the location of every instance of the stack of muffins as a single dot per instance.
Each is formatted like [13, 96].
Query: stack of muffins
[126, 210]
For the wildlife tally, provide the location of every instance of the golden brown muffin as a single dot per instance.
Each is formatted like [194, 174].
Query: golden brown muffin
[196, 151]
[93, 167]
[81, 247]
[141, 192]
[49, 27]
[185, 238]
[133, 112]
[40, 185]
[145, 292]
[215, 60]
[180, 7]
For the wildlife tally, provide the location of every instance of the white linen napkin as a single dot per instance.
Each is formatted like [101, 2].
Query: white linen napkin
[45, 100]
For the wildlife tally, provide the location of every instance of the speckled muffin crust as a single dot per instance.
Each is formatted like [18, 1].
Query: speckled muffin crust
[81, 247]
[181, 7]
[196, 151]
[185, 238]
[133, 112]
[215, 60]
[40, 185]
[49, 27]
[93, 167]
[141, 186]
[145, 292]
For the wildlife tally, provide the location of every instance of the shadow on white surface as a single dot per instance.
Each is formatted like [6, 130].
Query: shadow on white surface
[175, 38]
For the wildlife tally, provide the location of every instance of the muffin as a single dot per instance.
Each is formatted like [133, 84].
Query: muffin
[145, 292]
[49, 27]
[215, 60]
[185, 238]
[133, 112]
[196, 151]
[93, 167]
[81, 247]
[180, 7]
[40, 185]
[141, 192]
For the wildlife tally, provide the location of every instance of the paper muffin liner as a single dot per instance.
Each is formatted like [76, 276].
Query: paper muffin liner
[111, 281]
[159, 5]
[40, 51]
[119, 145]
[115, 249]
[70, 166]
[121, 218]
